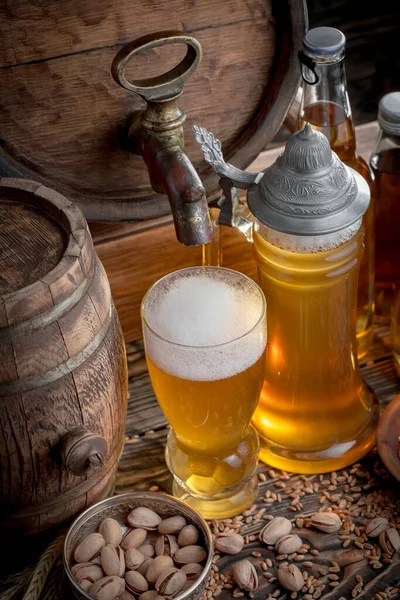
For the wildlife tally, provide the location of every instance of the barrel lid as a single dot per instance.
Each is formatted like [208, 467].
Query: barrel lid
[46, 251]
[308, 190]
[62, 114]
[31, 244]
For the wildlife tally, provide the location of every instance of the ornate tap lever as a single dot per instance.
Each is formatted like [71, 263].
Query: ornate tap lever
[234, 211]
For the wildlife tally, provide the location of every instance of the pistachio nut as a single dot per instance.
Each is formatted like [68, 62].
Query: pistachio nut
[350, 557]
[144, 566]
[147, 550]
[112, 560]
[89, 547]
[192, 570]
[85, 584]
[229, 543]
[288, 544]
[133, 538]
[389, 540]
[171, 525]
[290, 577]
[188, 536]
[274, 530]
[87, 570]
[133, 559]
[167, 545]
[143, 517]
[111, 531]
[149, 595]
[328, 522]
[189, 554]
[126, 596]
[158, 566]
[245, 575]
[135, 582]
[170, 582]
[376, 526]
[107, 588]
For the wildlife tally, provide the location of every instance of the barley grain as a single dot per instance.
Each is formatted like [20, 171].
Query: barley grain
[267, 575]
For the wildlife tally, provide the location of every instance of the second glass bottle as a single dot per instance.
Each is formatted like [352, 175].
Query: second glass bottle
[325, 105]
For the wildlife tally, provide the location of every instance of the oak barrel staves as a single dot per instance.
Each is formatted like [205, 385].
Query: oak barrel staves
[63, 376]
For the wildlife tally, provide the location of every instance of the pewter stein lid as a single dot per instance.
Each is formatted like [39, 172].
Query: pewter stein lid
[309, 190]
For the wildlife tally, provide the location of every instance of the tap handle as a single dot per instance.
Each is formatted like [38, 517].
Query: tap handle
[212, 153]
[163, 87]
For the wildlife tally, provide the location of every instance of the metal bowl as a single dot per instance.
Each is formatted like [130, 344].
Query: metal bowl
[118, 508]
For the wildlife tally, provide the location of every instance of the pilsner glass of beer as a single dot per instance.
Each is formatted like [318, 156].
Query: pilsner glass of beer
[205, 334]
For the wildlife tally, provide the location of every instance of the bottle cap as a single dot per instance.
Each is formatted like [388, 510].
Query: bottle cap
[389, 113]
[324, 41]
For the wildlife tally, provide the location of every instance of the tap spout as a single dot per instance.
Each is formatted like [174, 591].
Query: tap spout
[157, 134]
[180, 181]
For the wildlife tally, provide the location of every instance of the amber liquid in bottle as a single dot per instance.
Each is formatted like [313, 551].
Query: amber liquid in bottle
[386, 167]
[314, 413]
[331, 119]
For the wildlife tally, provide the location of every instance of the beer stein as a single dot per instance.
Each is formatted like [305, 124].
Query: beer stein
[206, 361]
[304, 216]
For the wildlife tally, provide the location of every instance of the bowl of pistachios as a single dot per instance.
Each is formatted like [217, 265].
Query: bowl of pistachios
[140, 545]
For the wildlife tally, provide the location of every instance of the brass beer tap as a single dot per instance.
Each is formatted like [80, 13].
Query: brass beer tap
[157, 134]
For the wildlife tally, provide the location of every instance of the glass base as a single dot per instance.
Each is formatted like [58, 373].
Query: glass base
[218, 484]
[219, 508]
[333, 458]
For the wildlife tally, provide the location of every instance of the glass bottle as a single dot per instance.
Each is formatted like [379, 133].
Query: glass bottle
[325, 105]
[385, 162]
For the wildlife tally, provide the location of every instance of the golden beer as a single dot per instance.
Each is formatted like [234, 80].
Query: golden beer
[314, 413]
[205, 336]
[332, 120]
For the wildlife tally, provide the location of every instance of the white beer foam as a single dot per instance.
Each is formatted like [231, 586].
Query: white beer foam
[307, 244]
[195, 318]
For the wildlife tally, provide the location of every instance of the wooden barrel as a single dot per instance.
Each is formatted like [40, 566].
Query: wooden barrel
[62, 111]
[63, 374]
